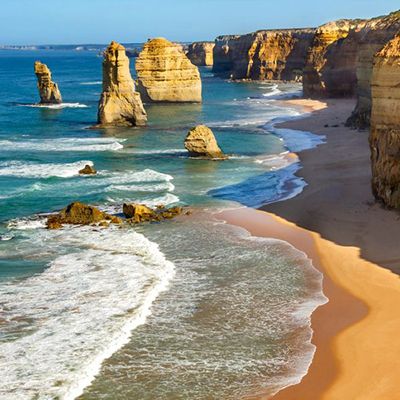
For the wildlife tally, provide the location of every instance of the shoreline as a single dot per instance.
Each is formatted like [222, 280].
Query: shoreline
[356, 331]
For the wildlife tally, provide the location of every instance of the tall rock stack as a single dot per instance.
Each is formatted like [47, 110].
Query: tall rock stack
[201, 53]
[48, 90]
[385, 124]
[165, 74]
[119, 104]
[269, 54]
[373, 37]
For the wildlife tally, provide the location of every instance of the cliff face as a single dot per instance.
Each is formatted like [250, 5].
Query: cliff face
[165, 74]
[332, 59]
[119, 103]
[201, 53]
[272, 54]
[385, 124]
[376, 33]
[48, 90]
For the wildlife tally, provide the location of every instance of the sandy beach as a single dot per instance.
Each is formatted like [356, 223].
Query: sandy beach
[353, 241]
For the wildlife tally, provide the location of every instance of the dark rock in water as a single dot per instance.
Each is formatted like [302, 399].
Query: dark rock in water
[88, 170]
[137, 213]
[80, 214]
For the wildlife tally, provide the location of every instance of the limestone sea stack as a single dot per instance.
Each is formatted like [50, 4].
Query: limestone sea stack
[385, 124]
[165, 74]
[201, 142]
[201, 53]
[270, 54]
[48, 90]
[119, 104]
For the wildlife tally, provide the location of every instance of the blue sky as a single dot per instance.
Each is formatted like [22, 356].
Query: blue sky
[99, 21]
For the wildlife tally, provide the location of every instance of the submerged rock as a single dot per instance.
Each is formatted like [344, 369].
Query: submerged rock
[165, 74]
[48, 90]
[201, 53]
[119, 104]
[88, 170]
[138, 213]
[385, 124]
[201, 142]
[80, 214]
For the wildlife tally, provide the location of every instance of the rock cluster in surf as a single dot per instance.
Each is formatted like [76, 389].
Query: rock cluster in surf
[165, 74]
[201, 53]
[201, 142]
[385, 124]
[48, 90]
[119, 104]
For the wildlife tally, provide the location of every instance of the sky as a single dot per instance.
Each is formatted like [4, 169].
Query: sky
[100, 21]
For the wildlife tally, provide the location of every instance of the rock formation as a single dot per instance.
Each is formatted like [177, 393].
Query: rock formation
[373, 37]
[201, 142]
[270, 54]
[119, 104]
[80, 214]
[201, 53]
[48, 90]
[332, 59]
[385, 124]
[138, 213]
[87, 170]
[165, 74]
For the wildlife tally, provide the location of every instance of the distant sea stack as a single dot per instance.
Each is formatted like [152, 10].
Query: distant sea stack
[119, 104]
[385, 124]
[269, 54]
[48, 90]
[201, 53]
[165, 74]
[373, 37]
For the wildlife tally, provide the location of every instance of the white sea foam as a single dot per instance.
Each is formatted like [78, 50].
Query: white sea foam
[274, 91]
[55, 106]
[78, 311]
[277, 161]
[91, 83]
[161, 151]
[63, 144]
[37, 170]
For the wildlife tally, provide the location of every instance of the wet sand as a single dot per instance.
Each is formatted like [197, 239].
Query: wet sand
[350, 238]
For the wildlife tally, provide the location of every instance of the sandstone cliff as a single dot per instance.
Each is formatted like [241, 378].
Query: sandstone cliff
[119, 103]
[48, 90]
[372, 38]
[165, 74]
[332, 60]
[385, 124]
[201, 53]
[270, 54]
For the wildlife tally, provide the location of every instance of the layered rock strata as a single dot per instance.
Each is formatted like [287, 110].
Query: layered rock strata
[165, 74]
[119, 104]
[372, 38]
[332, 60]
[201, 142]
[48, 90]
[201, 53]
[270, 54]
[385, 124]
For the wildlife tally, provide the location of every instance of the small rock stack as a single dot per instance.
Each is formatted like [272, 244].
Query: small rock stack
[48, 90]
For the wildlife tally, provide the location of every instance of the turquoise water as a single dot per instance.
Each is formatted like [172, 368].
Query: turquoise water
[191, 308]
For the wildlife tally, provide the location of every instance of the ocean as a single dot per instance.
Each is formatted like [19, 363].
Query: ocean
[186, 309]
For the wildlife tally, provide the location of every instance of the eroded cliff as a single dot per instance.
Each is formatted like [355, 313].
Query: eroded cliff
[385, 124]
[119, 104]
[165, 74]
[270, 54]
